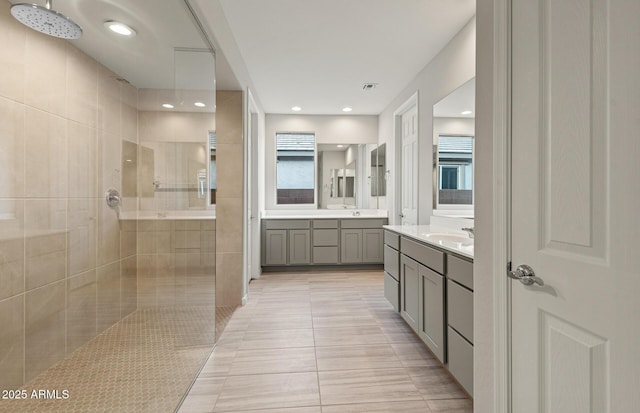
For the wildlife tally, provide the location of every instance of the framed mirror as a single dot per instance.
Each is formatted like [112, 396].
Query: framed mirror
[453, 151]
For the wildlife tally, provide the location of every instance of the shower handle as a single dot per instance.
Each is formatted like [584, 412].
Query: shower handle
[112, 196]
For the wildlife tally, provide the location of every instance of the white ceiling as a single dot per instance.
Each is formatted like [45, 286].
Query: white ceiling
[149, 59]
[318, 53]
[458, 101]
[310, 53]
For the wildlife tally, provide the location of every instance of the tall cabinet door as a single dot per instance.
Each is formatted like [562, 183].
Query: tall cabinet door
[372, 246]
[409, 292]
[431, 321]
[351, 246]
[299, 246]
[276, 247]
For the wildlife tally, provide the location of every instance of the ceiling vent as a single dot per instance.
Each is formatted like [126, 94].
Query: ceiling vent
[369, 86]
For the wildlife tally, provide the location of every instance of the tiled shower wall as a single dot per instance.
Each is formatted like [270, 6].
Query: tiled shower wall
[176, 264]
[67, 265]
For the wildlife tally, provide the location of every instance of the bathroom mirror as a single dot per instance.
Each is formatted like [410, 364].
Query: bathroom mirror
[338, 175]
[378, 171]
[453, 151]
[129, 169]
[174, 174]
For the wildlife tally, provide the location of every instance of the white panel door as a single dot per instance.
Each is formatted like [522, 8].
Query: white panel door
[575, 205]
[409, 204]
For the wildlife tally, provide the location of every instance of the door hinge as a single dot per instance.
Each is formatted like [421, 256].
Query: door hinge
[509, 266]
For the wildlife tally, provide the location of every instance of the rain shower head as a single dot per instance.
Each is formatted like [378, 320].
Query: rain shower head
[46, 20]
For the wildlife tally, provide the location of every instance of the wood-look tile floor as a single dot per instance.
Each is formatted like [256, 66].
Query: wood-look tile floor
[318, 342]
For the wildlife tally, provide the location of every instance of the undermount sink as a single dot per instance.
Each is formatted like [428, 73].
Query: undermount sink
[447, 238]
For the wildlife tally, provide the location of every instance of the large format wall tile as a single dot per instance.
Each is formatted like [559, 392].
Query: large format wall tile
[83, 156]
[81, 309]
[129, 284]
[46, 242]
[46, 155]
[45, 328]
[12, 342]
[46, 73]
[82, 87]
[109, 102]
[11, 149]
[82, 224]
[63, 118]
[108, 295]
[109, 162]
[108, 234]
[13, 38]
[11, 249]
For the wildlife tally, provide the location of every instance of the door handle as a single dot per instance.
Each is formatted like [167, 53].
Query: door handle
[525, 275]
[401, 215]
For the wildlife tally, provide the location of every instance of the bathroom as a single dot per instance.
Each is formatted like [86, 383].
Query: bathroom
[199, 215]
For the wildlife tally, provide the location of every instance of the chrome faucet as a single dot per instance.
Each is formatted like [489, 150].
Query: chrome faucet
[469, 231]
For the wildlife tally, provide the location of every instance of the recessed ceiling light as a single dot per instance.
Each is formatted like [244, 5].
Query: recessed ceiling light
[296, 108]
[347, 109]
[340, 146]
[199, 104]
[119, 28]
[167, 105]
[466, 112]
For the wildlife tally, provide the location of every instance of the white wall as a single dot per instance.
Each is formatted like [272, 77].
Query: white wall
[345, 129]
[453, 126]
[452, 67]
[487, 388]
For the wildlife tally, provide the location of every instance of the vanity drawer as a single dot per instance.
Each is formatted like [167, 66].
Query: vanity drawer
[325, 237]
[288, 224]
[460, 359]
[430, 257]
[325, 223]
[325, 255]
[361, 223]
[460, 309]
[460, 270]
[392, 291]
[392, 239]
[392, 262]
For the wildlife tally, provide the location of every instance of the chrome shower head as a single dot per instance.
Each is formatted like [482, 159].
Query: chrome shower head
[46, 20]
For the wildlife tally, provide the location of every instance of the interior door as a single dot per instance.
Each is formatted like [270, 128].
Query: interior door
[575, 205]
[409, 215]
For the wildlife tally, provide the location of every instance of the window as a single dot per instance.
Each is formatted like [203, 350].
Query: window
[455, 170]
[295, 168]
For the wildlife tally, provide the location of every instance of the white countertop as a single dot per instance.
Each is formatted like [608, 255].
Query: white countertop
[325, 214]
[171, 215]
[421, 232]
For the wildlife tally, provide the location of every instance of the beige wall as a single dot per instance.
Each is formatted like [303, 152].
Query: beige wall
[176, 264]
[67, 268]
[229, 203]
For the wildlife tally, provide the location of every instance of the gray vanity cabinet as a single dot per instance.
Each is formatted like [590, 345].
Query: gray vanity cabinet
[372, 252]
[410, 291]
[325, 242]
[301, 242]
[436, 299]
[351, 246]
[286, 242]
[361, 241]
[431, 320]
[275, 247]
[299, 247]
[460, 320]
